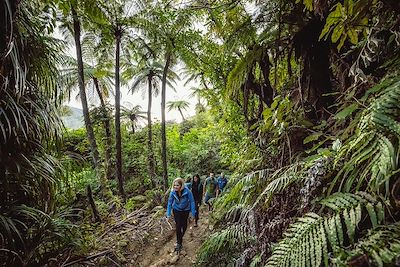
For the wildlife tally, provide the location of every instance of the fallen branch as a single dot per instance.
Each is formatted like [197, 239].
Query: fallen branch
[130, 216]
[86, 258]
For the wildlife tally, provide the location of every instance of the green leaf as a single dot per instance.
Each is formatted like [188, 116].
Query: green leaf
[312, 137]
[332, 19]
[344, 113]
[308, 4]
[349, 6]
[380, 212]
[352, 33]
[342, 39]
[337, 33]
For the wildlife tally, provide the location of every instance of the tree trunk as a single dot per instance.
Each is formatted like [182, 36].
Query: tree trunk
[132, 118]
[117, 117]
[107, 130]
[152, 172]
[82, 92]
[96, 216]
[180, 111]
[163, 132]
[316, 73]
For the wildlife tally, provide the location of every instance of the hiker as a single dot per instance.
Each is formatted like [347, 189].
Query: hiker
[180, 202]
[197, 191]
[188, 183]
[210, 190]
[222, 181]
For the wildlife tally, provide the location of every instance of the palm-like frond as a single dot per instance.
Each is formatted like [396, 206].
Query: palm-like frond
[134, 115]
[189, 76]
[178, 104]
[151, 70]
[308, 241]
[69, 79]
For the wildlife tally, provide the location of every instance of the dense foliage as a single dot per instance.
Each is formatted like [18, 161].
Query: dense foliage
[317, 83]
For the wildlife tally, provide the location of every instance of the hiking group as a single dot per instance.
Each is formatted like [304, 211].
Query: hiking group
[187, 197]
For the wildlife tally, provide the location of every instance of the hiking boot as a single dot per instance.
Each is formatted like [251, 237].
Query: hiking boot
[178, 247]
[195, 224]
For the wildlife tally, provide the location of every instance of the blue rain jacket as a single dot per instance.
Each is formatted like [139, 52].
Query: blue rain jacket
[222, 183]
[184, 203]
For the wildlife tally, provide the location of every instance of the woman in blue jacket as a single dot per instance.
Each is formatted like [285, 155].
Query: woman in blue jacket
[181, 202]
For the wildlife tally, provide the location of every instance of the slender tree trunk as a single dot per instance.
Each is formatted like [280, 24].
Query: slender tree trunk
[117, 117]
[107, 130]
[152, 172]
[163, 132]
[180, 111]
[95, 213]
[82, 92]
[133, 125]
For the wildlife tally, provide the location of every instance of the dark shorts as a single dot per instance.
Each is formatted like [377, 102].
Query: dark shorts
[208, 197]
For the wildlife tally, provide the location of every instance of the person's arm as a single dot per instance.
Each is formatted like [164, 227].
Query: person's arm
[169, 205]
[201, 192]
[204, 189]
[217, 189]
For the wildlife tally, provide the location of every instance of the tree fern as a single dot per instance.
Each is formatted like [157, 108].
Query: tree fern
[372, 154]
[308, 241]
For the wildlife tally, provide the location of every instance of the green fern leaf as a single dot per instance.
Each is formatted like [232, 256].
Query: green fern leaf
[380, 211]
[339, 229]
[371, 154]
[377, 259]
[330, 228]
[372, 215]
[349, 225]
[324, 242]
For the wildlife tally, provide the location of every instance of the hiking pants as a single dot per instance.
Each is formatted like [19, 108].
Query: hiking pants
[181, 221]
[197, 203]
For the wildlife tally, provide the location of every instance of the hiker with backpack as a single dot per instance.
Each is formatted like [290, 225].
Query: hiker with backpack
[210, 190]
[222, 181]
[180, 202]
[197, 191]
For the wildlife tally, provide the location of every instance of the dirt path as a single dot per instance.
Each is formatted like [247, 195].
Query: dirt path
[159, 251]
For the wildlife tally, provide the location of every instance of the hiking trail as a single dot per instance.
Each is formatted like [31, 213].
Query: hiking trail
[159, 250]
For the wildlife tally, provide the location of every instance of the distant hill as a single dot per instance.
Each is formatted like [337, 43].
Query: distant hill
[75, 120]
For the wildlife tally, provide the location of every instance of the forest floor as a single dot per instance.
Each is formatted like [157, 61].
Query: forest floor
[160, 249]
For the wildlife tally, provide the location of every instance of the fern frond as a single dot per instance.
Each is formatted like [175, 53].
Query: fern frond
[280, 180]
[308, 241]
[381, 246]
[371, 155]
[255, 261]
[226, 242]
[244, 191]
[238, 76]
